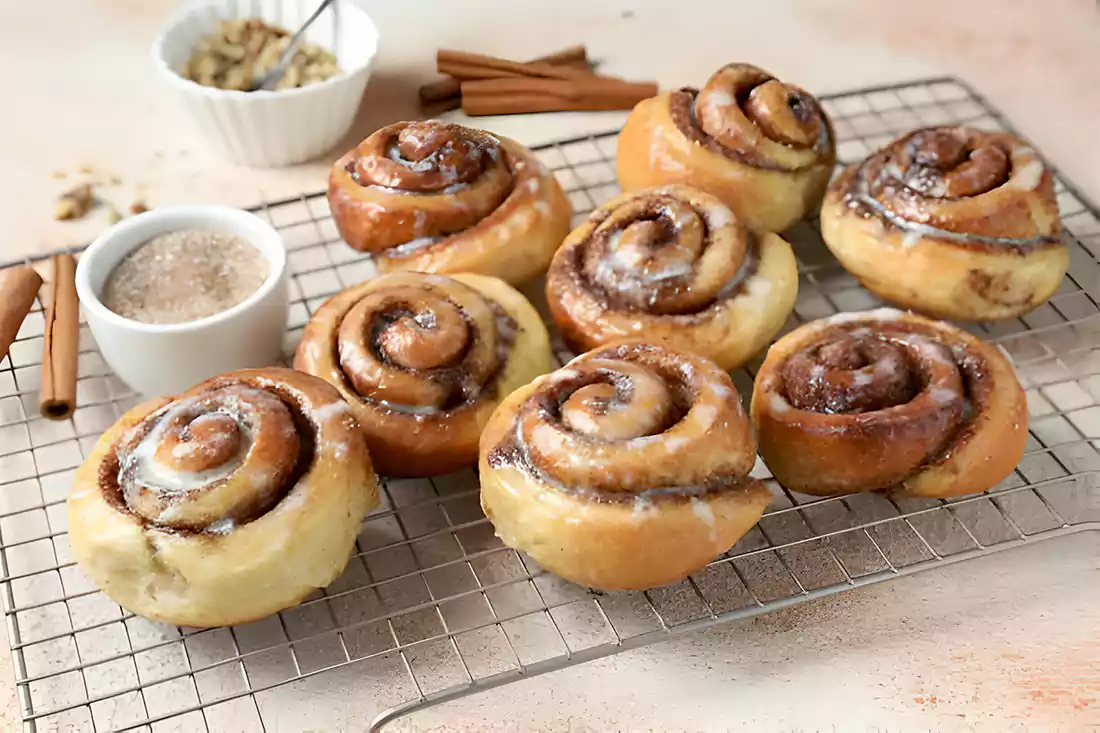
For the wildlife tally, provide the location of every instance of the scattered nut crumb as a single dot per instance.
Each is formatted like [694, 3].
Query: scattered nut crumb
[138, 207]
[244, 48]
[59, 175]
[113, 214]
[114, 180]
[74, 204]
[84, 169]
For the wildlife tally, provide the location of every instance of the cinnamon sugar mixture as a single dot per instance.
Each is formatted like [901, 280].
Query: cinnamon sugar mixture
[183, 276]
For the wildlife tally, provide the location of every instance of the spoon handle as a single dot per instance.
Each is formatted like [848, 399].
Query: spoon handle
[276, 72]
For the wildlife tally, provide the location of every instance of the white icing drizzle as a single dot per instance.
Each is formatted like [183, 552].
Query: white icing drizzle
[145, 470]
[339, 448]
[222, 526]
[1027, 177]
[643, 506]
[718, 216]
[877, 314]
[862, 378]
[313, 350]
[671, 271]
[758, 288]
[942, 395]
[563, 375]
[674, 443]
[584, 422]
[415, 244]
[930, 350]
[704, 414]
[779, 403]
[721, 97]
[331, 411]
[702, 510]
[911, 238]
[420, 222]
[657, 144]
[886, 366]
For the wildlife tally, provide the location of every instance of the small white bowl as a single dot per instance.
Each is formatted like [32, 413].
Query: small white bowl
[273, 128]
[156, 359]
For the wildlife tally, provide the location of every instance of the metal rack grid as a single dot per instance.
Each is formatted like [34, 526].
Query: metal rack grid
[432, 606]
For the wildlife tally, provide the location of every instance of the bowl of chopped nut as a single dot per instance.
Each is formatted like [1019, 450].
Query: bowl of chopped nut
[211, 53]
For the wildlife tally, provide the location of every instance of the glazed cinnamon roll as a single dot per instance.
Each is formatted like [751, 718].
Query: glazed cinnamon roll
[950, 221]
[625, 469]
[888, 400]
[438, 197]
[764, 147]
[424, 360]
[226, 504]
[672, 265]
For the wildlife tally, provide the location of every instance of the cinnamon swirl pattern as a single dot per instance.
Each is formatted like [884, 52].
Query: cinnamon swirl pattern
[226, 504]
[888, 400]
[438, 197]
[424, 360]
[672, 265]
[950, 221]
[625, 469]
[766, 148]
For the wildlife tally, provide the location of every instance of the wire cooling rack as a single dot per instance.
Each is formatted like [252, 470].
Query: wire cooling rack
[432, 606]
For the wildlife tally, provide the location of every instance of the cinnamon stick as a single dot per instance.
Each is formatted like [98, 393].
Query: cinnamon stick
[18, 288]
[444, 95]
[57, 401]
[464, 65]
[520, 96]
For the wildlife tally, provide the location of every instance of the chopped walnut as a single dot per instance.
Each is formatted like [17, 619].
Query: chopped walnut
[75, 204]
[247, 48]
[138, 207]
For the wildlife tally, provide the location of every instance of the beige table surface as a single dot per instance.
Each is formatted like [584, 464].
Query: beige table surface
[1004, 643]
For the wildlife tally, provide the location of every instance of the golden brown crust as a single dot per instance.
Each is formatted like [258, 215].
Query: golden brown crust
[672, 265]
[888, 400]
[625, 469]
[437, 197]
[185, 512]
[965, 220]
[763, 147]
[424, 360]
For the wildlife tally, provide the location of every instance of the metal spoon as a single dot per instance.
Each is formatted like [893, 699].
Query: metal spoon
[275, 73]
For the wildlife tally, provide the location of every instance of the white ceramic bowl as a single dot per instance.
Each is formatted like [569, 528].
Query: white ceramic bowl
[273, 128]
[157, 359]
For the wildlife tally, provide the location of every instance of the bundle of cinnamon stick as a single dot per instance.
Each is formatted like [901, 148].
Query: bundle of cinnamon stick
[561, 81]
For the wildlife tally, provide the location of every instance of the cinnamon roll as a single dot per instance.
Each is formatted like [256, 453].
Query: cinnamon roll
[226, 504]
[424, 360]
[625, 469]
[672, 265]
[888, 400]
[764, 147]
[438, 197]
[950, 221]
